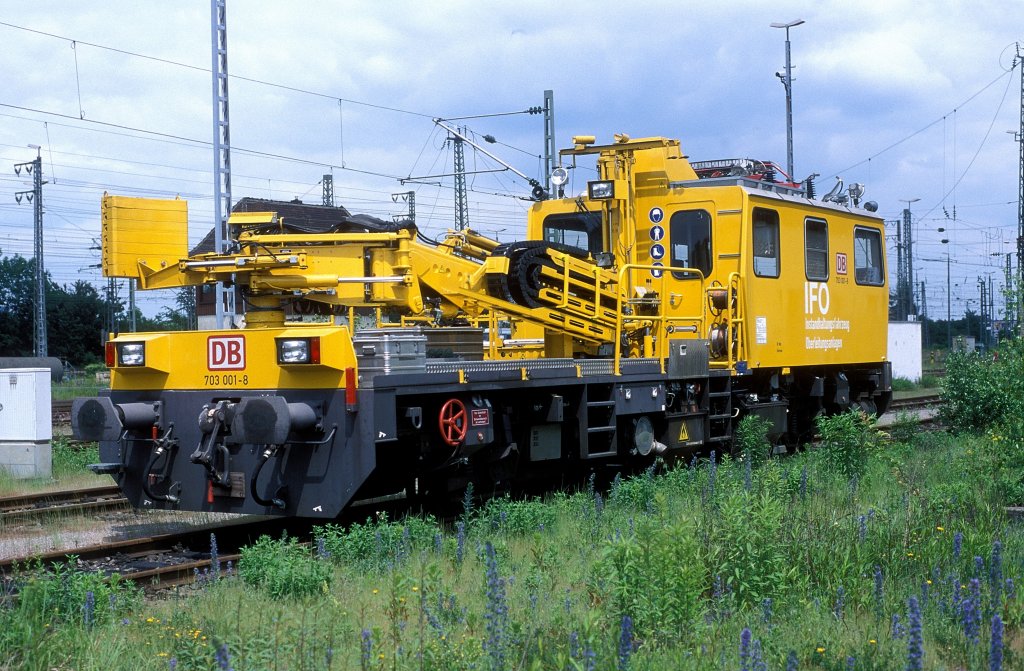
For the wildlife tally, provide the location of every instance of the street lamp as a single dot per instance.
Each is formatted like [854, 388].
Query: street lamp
[949, 297]
[787, 83]
[908, 249]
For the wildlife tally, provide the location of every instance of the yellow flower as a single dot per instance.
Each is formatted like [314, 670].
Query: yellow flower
[415, 588]
[820, 650]
[928, 581]
[939, 529]
[161, 654]
[375, 590]
[872, 641]
[910, 554]
[380, 656]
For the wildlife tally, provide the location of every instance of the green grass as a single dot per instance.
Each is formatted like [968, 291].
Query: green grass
[68, 470]
[789, 550]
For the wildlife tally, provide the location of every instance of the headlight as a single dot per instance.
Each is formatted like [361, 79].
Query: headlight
[131, 354]
[601, 190]
[298, 350]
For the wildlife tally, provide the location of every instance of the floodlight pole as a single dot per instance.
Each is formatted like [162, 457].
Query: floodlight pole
[787, 83]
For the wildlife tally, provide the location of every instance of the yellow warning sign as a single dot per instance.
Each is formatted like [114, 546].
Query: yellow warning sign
[684, 435]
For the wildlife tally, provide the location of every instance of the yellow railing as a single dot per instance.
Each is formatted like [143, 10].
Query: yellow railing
[657, 346]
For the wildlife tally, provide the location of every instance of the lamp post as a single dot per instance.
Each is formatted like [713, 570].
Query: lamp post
[908, 249]
[949, 298]
[787, 83]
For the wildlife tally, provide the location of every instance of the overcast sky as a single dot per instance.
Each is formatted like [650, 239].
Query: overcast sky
[912, 99]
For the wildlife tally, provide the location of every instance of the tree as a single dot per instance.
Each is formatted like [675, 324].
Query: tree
[17, 288]
[74, 316]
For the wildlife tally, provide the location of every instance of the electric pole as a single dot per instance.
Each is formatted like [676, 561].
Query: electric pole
[549, 137]
[787, 82]
[221, 154]
[410, 198]
[328, 190]
[1019, 62]
[461, 198]
[35, 197]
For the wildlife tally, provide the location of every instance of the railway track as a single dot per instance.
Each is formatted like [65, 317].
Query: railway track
[159, 561]
[40, 504]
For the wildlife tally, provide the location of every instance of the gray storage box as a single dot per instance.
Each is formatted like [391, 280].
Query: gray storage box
[387, 351]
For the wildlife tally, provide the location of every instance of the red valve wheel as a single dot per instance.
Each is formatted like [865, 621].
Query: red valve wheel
[452, 421]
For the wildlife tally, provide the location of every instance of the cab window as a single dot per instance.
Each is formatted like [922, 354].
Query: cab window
[816, 249]
[690, 238]
[582, 231]
[766, 242]
[867, 256]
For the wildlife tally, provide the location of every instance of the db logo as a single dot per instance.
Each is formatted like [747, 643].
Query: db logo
[225, 353]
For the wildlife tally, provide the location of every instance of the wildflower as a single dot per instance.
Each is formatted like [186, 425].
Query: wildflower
[214, 556]
[766, 611]
[940, 529]
[879, 593]
[915, 647]
[995, 574]
[872, 641]
[321, 548]
[791, 661]
[995, 655]
[851, 662]
[375, 591]
[625, 642]
[958, 540]
[460, 540]
[172, 664]
[897, 630]
[820, 650]
[88, 609]
[223, 658]
[979, 566]
[496, 611]
[744, 649]
[862, 528]
[840, 603]
[365, 649]
[756, 661]
[970, 612]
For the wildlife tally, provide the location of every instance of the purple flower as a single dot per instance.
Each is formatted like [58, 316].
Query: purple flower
[495, 612]
[214, 556]
[625, 642]
[958, 542]
[896, 629]
[460, 541]
[970, 612]
[995, 574]
[745, 649]
[89, 609]
[862, 528]
[915, 643]
[223, 657]
[791, 661]
[879, 593]
[365, 649]
[840, 604]
[995, 656]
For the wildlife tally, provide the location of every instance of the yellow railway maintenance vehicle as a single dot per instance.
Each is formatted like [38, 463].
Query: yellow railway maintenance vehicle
[644, 318]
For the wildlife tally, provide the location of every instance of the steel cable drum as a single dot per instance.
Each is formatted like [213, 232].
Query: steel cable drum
[51, 362]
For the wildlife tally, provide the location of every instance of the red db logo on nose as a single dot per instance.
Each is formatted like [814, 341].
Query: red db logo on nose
[225, 353]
